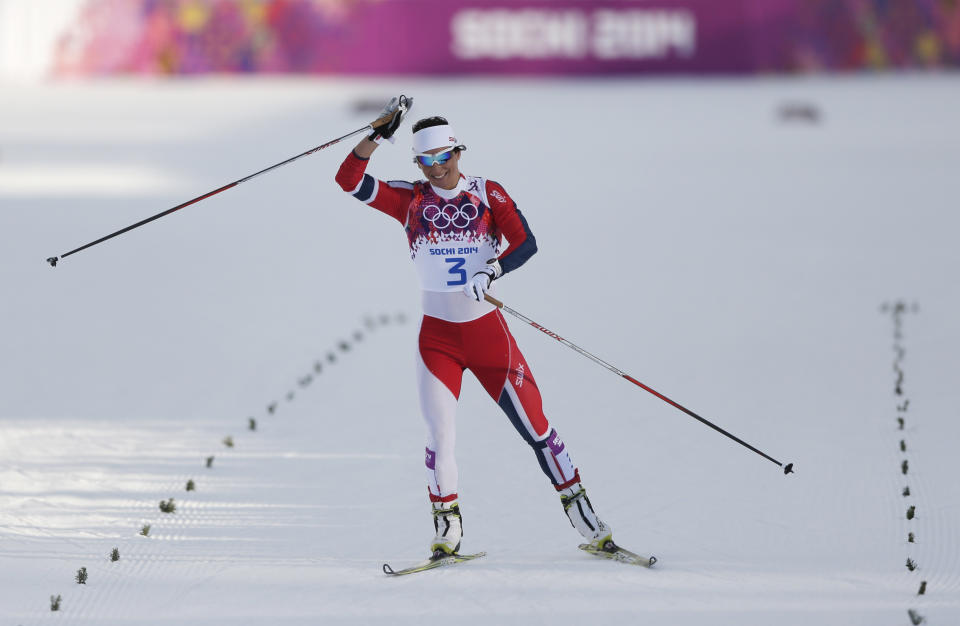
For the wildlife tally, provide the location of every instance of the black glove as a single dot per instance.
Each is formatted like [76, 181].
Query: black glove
[397, 108]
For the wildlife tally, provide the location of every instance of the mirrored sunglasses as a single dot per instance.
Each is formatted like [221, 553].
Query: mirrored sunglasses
[428, 160]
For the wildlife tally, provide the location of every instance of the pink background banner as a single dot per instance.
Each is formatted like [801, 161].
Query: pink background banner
[552, 37]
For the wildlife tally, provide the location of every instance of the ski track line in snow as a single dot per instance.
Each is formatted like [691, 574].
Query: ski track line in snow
[167, 544]
[929, 542]
[903, 402]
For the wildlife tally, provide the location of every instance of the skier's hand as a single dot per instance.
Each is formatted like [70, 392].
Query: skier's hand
[479, 285]
[396, 109]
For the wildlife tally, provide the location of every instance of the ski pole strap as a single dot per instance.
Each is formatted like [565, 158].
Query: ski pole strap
[386, 119]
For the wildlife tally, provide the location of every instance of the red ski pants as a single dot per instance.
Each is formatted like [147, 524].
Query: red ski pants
[485, 347]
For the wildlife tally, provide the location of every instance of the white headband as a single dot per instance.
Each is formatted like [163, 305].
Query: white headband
[434, 137]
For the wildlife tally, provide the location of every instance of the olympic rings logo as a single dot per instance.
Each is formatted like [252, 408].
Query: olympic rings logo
[450, 215]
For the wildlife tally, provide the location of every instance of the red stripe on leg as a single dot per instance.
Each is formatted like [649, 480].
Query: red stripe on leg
[556, 464]
[570, 483]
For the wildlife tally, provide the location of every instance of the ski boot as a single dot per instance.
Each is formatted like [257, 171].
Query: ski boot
[580, 512]
[449, 526]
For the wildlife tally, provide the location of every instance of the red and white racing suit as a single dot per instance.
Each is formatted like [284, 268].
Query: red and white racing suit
[452, 234]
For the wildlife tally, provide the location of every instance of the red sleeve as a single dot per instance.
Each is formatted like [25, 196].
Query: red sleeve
[392, 198]
[514, 227]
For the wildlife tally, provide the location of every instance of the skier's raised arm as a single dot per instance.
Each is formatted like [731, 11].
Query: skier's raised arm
[387, 197]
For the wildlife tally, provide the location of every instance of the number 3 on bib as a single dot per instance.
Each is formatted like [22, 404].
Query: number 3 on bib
[456, 268]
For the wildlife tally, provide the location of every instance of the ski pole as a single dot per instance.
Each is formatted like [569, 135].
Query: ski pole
[372, 125]
[788, 468]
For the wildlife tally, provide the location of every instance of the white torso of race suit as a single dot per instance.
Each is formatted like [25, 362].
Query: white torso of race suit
[452, 235]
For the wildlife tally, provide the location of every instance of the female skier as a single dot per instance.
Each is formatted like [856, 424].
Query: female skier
[454, 224]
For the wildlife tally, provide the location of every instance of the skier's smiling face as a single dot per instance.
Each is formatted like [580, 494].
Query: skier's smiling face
[443, 175]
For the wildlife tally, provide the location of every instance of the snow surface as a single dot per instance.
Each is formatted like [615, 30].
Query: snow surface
[733, 260]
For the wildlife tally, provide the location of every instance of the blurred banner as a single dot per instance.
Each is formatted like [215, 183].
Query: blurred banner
[444, 37]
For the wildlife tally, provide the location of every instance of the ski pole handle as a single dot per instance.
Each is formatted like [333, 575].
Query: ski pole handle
[381, 121]
[493, 300]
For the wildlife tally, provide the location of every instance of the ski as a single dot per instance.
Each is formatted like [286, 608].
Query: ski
[612, 551]
[439, 559]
